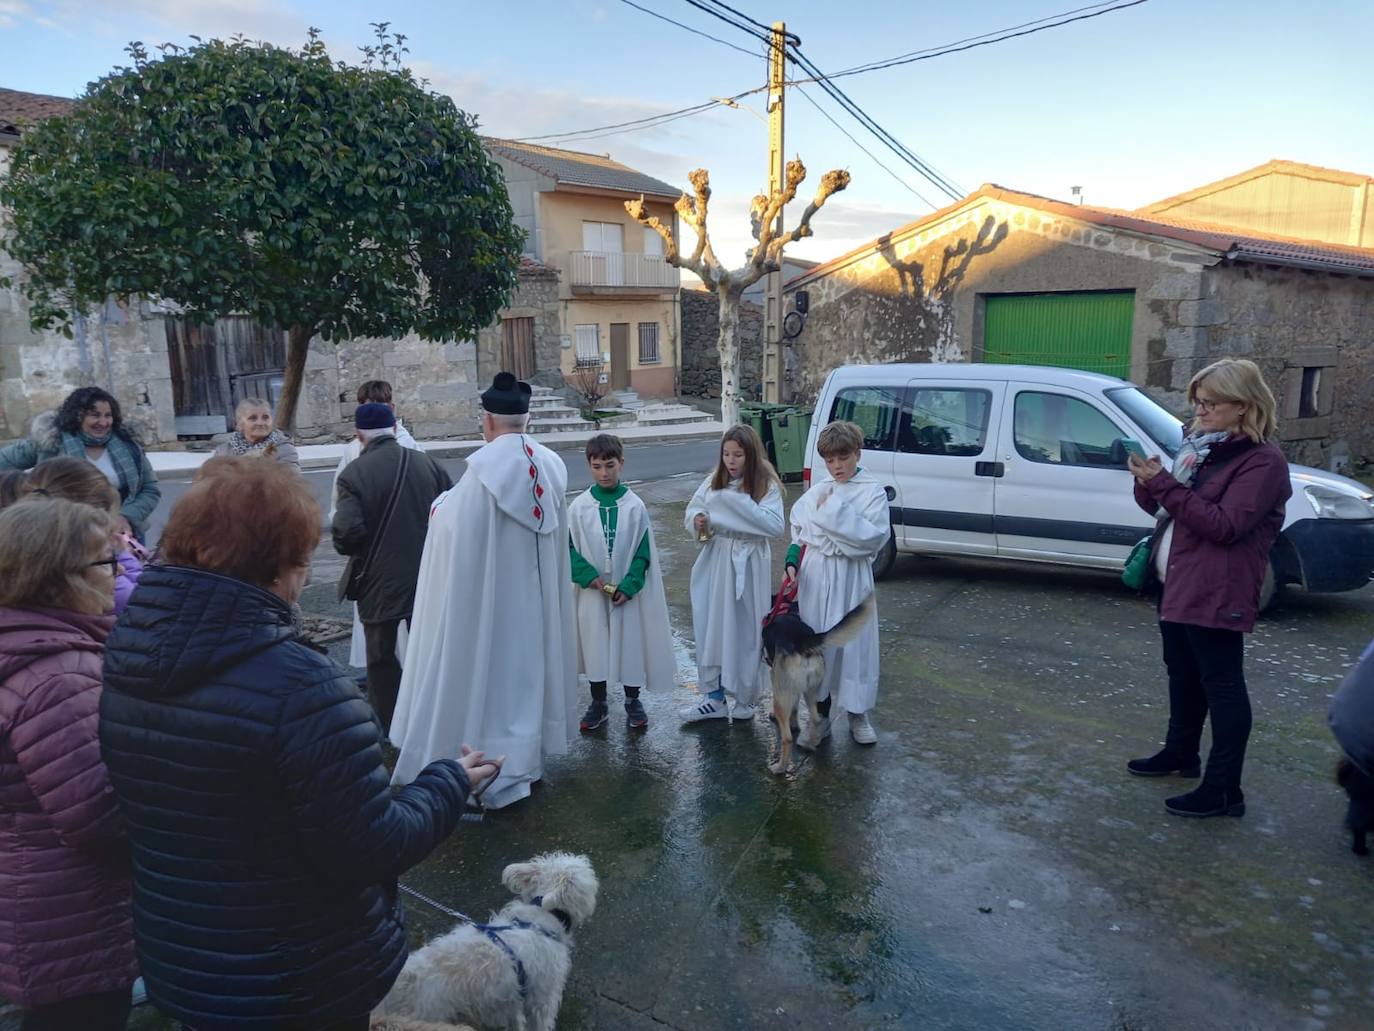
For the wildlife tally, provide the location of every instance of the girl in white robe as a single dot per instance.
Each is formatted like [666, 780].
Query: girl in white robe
[842, 521]
[739, 509]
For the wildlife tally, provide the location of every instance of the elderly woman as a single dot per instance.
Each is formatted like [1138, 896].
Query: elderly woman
[254, 436]
[266, 839]
[89, 425]
[1218, 513]
[66, 939]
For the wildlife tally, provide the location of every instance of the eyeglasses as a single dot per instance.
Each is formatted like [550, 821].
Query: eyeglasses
[1209, 406]
[112, 562]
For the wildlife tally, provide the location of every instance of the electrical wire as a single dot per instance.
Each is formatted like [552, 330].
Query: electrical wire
[826, 114]
[688, 28]
[764, 36]
[647, 122]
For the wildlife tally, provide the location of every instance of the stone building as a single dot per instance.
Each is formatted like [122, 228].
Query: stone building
[1004, 276]
[701, 345]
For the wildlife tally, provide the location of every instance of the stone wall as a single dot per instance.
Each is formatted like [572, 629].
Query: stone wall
[700, 345]
[1288, 320]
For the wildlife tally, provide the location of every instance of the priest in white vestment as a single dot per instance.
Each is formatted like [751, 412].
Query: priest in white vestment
[492, 657]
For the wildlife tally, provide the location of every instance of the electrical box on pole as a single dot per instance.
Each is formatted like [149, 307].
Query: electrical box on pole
[774, 386]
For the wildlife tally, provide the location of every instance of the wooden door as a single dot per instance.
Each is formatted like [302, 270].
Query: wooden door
[517, 347]
[620, 356]
[214, 367]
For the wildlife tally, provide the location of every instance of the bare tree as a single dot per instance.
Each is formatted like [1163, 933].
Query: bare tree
[764, 257]
[587, 381]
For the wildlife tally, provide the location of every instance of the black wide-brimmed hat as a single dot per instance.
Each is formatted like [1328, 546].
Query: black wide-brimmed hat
[506, 396]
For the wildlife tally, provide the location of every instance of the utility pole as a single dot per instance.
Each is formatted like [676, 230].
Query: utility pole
[772, 371]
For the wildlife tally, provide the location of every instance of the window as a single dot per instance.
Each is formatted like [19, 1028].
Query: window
[648, 343]
[1059, 430]
[1308, 406]
[653, 244]
[1163, 427]
[606, 237]
[944, 421]
[874, 409]
[588, 344]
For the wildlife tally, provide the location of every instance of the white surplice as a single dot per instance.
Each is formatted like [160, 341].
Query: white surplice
[630, 643]
[357, 645]
[732, 587]
[492, 660]
[843, 525]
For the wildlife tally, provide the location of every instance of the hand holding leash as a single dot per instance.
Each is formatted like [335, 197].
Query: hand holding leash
[481, 771]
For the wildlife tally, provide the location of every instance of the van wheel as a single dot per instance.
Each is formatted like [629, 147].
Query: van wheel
[883, 561]
[1269, 587]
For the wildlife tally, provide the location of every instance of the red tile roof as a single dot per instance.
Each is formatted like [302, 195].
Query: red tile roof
[19, 110]
[1226, 242]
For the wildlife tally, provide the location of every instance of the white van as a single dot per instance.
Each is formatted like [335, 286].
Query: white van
[1027, 462]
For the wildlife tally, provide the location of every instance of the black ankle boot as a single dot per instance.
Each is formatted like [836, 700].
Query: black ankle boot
[1207, 801]
[1163, 763]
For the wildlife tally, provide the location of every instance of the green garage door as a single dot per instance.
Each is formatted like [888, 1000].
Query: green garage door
[1088, 331]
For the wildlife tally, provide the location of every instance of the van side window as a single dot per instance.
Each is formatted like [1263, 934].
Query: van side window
[944, 421]
[1059, 430]
[874, 409]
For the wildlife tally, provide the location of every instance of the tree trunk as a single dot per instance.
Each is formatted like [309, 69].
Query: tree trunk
[729, 356]
[297, 348]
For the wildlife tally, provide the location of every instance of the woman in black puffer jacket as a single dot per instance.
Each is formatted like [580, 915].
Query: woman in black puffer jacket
[266, 840]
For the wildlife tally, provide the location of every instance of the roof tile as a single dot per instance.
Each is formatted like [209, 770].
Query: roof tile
[19, 109]
[575, 168]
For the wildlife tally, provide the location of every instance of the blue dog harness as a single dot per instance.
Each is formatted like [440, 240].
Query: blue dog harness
[493, 931]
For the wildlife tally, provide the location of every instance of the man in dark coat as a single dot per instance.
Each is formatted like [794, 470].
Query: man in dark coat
[380, 523]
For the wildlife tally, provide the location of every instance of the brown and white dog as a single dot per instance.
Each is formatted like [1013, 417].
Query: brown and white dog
[796, 655]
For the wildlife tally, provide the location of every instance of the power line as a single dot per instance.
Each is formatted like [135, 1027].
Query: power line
[792, 36]
[766, 36]
[825, 114]
[688, 28]
[989, 38]
[647, 122]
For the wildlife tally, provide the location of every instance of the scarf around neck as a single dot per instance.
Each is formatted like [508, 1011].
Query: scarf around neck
[1191, 454]
[93, 441]
[240, 444]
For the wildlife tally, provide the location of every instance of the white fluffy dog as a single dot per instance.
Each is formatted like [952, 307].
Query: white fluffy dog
[511, 971]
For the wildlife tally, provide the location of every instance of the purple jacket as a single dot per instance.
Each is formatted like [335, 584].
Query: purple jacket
[130, 569]
[1224, 526]
[65, 923]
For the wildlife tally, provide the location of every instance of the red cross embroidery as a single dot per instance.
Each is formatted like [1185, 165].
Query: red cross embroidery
[538, 492]
[533, 472]
[537, 513]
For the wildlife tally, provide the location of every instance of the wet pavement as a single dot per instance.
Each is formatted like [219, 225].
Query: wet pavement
[987, 864]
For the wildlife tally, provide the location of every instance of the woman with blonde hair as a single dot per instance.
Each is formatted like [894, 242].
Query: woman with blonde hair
[66, 937]
[1219, 511]
[255, 437]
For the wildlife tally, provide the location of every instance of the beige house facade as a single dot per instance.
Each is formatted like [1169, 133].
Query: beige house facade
[619, 300]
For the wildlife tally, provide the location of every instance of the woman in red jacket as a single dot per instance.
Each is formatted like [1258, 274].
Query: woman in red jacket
[66, 934]
[1219, 511]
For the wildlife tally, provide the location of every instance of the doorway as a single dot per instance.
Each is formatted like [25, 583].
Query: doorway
[620, 356]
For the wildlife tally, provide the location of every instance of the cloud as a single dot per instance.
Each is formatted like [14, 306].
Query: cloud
[273, 22]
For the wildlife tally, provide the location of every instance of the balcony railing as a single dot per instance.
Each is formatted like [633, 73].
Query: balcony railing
[617, 268]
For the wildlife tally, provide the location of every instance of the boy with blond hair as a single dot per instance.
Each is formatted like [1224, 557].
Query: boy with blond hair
[622, 612]
[838, 526]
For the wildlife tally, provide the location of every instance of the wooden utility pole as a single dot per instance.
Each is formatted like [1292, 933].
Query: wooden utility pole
[772, 371]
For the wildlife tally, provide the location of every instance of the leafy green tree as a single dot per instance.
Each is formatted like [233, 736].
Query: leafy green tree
[237, 177]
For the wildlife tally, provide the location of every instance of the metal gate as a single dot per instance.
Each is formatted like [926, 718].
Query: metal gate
[1087, 330]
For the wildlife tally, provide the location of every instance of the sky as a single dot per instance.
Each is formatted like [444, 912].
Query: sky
[1132, 106]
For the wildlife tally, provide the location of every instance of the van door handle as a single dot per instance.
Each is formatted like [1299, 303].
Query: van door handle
[994, 469]
[891, 493]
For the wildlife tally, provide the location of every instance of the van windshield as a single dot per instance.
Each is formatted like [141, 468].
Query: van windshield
[1163, 427]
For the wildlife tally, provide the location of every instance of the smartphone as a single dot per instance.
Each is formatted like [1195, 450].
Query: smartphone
[1133, 447]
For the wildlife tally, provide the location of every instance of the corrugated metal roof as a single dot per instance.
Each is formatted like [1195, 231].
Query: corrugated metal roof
[1224, 241]
[19, 109]
[575, 168]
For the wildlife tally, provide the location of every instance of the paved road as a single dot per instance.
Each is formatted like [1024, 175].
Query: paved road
[643, 462]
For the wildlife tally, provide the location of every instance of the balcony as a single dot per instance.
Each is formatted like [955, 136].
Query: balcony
[616, 272]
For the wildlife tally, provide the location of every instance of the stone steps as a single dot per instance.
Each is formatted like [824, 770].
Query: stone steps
[667, 414]
[561, 424]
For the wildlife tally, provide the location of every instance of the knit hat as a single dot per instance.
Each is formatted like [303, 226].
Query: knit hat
[374, 416]
[506, 396]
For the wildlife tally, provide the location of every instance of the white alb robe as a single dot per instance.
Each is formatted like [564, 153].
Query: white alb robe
[357, 645]
[631, 643]
[731, 587]
[841, 537]
[492, 660]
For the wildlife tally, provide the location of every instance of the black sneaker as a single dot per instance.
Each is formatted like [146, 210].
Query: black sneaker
[1207, 801]
[595, 717]
[635, 716]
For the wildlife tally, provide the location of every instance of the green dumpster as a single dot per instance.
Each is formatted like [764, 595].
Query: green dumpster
[755, 414]
[789, 427]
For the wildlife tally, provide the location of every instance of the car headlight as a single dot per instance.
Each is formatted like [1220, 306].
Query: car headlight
[1335, 504]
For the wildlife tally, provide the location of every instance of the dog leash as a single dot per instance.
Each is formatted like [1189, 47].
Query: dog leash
[437, 905]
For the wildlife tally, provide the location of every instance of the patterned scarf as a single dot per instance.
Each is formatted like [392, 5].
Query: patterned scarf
[240, 444]
[1191, 454]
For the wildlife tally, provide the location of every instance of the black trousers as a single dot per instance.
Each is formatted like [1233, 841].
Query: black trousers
[383, 671]
[1206, 676]
[104, 1011]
